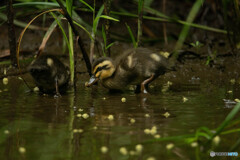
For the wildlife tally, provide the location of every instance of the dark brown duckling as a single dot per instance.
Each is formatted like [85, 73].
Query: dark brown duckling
[136, 67]
[50, 74]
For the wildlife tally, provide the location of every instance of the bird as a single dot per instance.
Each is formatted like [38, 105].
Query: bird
[49, 74]
[137, 66]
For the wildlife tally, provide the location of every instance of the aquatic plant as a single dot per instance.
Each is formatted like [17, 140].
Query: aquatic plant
[205, 137]
[135, 44]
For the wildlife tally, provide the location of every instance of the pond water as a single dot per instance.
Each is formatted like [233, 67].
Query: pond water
[38, 127]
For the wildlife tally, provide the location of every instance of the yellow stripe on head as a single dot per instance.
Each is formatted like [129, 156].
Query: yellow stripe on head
[104, 69]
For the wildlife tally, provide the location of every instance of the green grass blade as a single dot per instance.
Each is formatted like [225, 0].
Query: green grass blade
[227, 120]
[230, 131]
[110, 18]
[170, 138]
[86, 4]
[186, 27]
[82, 27]
[25, 4]
[99, 15]
[108, 46]
[235, 146]
[104, 37]
[132, 36]
[47, 35]
[69, 5]
[192, 14]
[168, 19]
[20, 23]
[61, 27]
[96, 20]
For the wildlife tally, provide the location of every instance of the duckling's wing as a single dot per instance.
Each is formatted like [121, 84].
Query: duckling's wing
[149, 63]
[127, 61]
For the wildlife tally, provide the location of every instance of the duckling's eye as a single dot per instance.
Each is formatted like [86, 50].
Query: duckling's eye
[101, 68]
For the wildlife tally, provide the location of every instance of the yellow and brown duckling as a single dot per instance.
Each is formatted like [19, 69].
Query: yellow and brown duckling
[50, 74]
[135, 67]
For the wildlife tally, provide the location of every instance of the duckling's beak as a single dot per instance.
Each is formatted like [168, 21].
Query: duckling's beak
[91, 81]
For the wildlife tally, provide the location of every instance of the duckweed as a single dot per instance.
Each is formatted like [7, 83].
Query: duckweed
[194, 144]
[147, 115]
[80, 110]
[216, 140]
[85, 115]
[166, 114]
[5, 81]
[153, 130]
[184, 99]
[139, 148]
[147, 131]
[151, 158]
[79, 115]
[123, 151]
[22, 150]
[132, 120]
[165, 54]
[104, 149]
[229, 91]
[6, 132]
[36, 89]
[233, 81]
[77, 130]
[169, 146]
[157, 136]
[237, 100]
[123, 99]
[111, 117]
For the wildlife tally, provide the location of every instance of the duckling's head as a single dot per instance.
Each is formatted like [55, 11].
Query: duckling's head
[102, 68]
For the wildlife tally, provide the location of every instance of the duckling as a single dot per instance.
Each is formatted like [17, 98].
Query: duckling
[136, 67]
[50, 74]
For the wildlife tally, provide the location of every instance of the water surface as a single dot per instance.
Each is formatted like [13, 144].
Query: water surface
[48, 128]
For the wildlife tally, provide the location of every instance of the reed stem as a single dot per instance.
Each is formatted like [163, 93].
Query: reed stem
[140, 19]
[80, 42]
[107, 9]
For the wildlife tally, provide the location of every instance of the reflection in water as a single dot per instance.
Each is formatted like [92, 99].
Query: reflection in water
[55, 128]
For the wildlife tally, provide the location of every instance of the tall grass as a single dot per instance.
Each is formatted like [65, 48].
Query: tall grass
[185, 30]
[140, 19]
[135, 44]
[105, 45]
[107, 41]
[69, 5]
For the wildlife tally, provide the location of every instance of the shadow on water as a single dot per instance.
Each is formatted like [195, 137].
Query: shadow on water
[77, 125]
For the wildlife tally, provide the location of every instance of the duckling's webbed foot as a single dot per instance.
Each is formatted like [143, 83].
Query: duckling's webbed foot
[145, 83]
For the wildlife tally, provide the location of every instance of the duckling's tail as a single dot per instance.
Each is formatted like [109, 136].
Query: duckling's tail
[171, 61]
